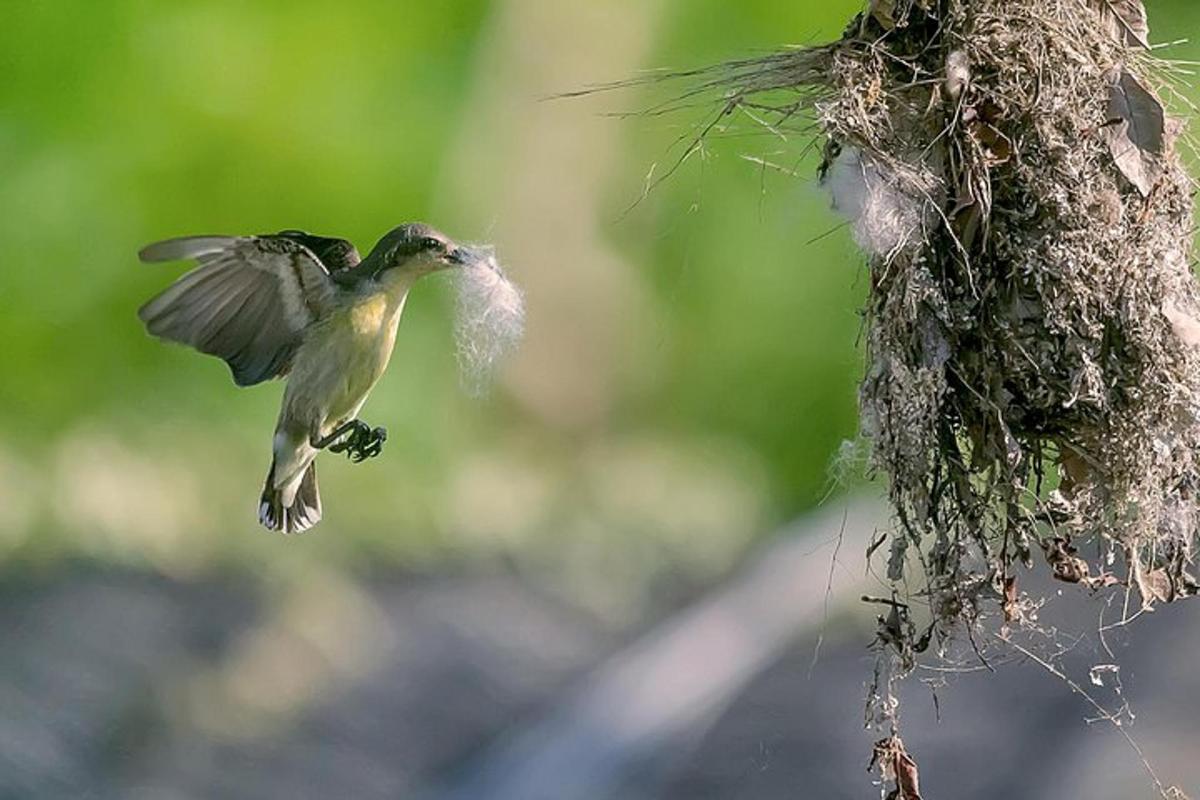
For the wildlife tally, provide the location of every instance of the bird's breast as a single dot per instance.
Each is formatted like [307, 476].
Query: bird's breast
[368, 332]
[369, 317]
[341, 359]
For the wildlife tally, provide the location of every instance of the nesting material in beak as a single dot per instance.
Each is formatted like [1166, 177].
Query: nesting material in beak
[490, 319]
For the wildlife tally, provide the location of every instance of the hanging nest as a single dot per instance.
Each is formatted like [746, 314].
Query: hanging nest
[1033, 346]
[1033, 380]
[1033, 326]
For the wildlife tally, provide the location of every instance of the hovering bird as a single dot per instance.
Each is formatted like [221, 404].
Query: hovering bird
[307, 308]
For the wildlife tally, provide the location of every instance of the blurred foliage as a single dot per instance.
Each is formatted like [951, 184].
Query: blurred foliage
[130, 120]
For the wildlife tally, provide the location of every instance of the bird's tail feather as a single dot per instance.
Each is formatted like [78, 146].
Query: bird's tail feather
[302, 514]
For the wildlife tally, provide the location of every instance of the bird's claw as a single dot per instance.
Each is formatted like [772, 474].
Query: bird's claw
[361, 442]
[371, 446]
[349, 441]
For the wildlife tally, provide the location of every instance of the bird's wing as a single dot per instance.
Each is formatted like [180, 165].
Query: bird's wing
[336, 254]
[248, 302]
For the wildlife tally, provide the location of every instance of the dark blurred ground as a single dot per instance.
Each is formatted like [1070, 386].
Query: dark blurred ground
[119, 685]
[109, 681]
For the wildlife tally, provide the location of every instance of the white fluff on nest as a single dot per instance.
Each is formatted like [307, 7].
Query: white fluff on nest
[884, 218]
[490, 318]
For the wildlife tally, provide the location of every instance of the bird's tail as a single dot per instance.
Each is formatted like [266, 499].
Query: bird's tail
[302, 513]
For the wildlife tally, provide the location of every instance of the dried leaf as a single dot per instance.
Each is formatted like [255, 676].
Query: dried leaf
[1159, 585]
[997, 148]
[908, 778]
[1132, 20]
[1064, 564]
[1186, 327]
[1075, 470]
[884, 12]
[1011, 609]
[1102, 581]
[1136, 131]
[896, 766]
[897, 557]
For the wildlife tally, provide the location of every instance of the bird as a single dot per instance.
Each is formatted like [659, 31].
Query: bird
[306, 308]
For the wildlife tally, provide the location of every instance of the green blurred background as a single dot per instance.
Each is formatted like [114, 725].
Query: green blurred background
[690, 365]
[690, 368]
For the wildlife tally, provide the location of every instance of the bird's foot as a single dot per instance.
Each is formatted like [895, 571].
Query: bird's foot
[371, 446]
[361, 442]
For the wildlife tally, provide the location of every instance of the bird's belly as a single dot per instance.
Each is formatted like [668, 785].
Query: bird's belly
[337, 366]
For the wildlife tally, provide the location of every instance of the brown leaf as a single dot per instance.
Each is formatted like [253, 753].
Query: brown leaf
[1064, 564]
[908, 777]
[1159, 585]
[896, 559]
[1102, 581]
[884, 12]
[1132, 20]
[896, 765]
[997, 147]
[1136, 131]
[1011, 609]
[1075, 470]
[1185, 326]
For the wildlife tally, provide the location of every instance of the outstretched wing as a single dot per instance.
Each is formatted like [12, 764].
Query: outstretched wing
[336, 254]
[248, 302]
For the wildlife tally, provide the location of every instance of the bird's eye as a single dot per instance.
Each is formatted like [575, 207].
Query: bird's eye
[430, 244]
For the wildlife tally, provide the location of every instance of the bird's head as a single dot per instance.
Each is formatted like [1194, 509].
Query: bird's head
[415, 249]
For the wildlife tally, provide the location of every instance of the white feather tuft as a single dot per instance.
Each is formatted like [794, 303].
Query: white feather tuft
[490, 317]
[884, 218]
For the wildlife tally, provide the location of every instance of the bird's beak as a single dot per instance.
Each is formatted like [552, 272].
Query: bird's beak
[455, 256]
